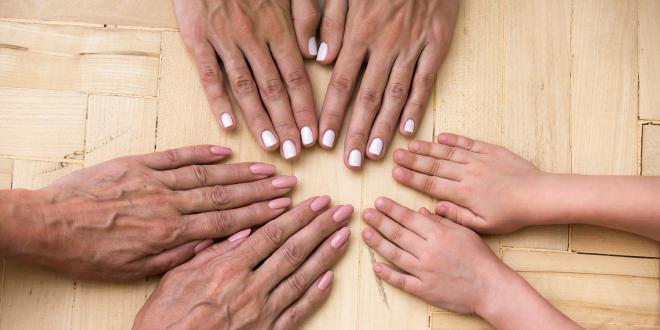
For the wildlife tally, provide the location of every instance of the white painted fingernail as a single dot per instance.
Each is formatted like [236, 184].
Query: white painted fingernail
[376, 146]
[289, 149]
[409, 126]
[306, 135]
[323, 52]
[226, 120]
[268, 138]
[329, 138]
[311, 46]
[355, 158]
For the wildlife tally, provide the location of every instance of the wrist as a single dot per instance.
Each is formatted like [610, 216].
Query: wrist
[21, 219]
[545, 205]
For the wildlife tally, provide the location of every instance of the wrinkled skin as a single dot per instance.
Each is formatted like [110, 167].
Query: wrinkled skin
[142, 215]
[272, 279]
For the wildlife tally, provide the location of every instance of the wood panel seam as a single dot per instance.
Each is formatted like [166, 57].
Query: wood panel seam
[82, 24]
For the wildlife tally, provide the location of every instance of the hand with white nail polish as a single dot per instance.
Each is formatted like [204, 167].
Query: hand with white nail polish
[258, 43]
[271, 279]
[139, 215]
[403, 44]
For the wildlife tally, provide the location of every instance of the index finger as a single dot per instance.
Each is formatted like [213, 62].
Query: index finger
[175, 158]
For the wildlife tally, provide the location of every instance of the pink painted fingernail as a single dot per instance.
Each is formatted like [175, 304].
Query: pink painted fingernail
[279, 203]
[340, 238]
[240, 235]
[320, 203]
[201, 246]
[325, 281]
[367, 234]
[285, 182]
[343, 213]
[220, 151]
[378, 268]
[262, 169]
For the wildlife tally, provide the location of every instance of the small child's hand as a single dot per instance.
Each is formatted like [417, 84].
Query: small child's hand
[444, 263]
[482, 186]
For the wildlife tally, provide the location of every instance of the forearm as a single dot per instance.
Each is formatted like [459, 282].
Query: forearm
[19, 211]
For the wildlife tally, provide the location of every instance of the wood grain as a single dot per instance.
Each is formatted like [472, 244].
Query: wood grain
[651, 150]
[649, 52]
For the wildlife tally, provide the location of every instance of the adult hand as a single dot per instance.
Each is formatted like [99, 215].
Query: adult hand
[256, 44]
[143, 215]
[403, 43]
[272, 280]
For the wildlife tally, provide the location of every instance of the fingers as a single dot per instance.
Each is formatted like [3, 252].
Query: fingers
[306, 16]
[219, 249]
[232, 196]
[332, 30]
[367, 104]
[315, 296]
[422, 87]
[393, 231]
[437, 187]
[298, 247]
[272, 235]
[195, 176]
[428, 165]
[175, 158]
[463, 142]
[388, 250]
[326, 256]
[460, 215]
[404, 216]
[339, 94]
[219, 224]
[397, 279]
[441, 151]
[161, 263]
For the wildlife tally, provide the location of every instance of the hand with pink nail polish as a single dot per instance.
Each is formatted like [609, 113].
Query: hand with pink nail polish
[139, 215]
[272, 279]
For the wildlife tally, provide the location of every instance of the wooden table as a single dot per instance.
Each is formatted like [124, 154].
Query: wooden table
[571, 85]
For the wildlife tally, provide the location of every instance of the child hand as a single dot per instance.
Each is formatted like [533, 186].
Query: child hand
[481, 186]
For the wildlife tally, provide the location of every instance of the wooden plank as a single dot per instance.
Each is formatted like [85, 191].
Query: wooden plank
[40, 123]
[149, 13]
[6, 170]
[537, 104]
[649, 52]
[34, 297]
[119, 126]
[604, 108]
[651, 150]
[79, 58]
[451, 321]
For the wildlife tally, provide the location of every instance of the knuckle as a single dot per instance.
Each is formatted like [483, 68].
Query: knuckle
[415, 106]
[435, 168]
[401, 282]
[243, 83]
[257, 117]
[397, 234]
[451, 153]
[201, 174]
[298, 282]
[429, 184]
[296, 79]
[359, 137]
[426, 81]
[370, 97]
[342, 84]
[273, 88]
[398, 91]
[209, 73]
[329, 23]
[222, 222]
[274, 234]
[284, 126]
[172, 155]
[293, 254]
[219, 196]
[395, 256]
[469, 143]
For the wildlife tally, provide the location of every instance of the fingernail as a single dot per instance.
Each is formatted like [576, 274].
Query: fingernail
[355, 158]
[306, 135]
[279, 203]
[380, 202]
[220, 151]
[319, 203]
[329, 138]
[409, 126]
[368, 214]
[262, 169]
[226, 120]
[311, 46]
[442, 138]
[268, 138]
[325, 281]
[284, 182]
[398, 173]
[343, 213]
[378, 268]
[202, 245]
[367, 234]
[376, 147]
[240, 235]
[289, 149]
[340, 238]
[323, 52]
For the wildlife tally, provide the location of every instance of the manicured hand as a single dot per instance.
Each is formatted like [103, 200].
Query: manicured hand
[256, 44]
[273, 280]
[403, 44]
[482, 186]
[143, 215]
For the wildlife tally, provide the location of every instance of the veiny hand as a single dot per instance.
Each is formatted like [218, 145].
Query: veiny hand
[143, 215]
[403, 43]
[482, 186]
[256, 44]
[273, 280]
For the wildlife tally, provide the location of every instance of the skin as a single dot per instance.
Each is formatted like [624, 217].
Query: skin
[491, 190]
[449, 266]
[403, 44]
[255, 44]
[272, 280]
[139, 215]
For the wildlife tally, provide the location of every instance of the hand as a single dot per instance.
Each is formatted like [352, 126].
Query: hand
[404, 43]
[449, 266]
[273, 280]
[482, 186]
[142, 215]
[256, 44]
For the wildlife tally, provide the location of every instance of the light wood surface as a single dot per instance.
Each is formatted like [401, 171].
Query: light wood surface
[570, 85]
